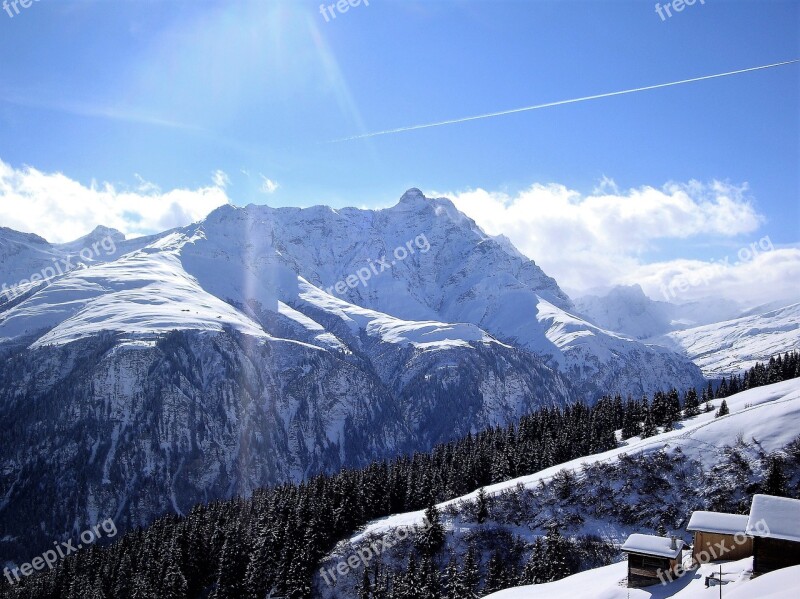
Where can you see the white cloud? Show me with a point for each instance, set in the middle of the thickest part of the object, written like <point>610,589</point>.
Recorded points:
<point>146,186</point>
<point>599,240</point>
<point>756,273</point>
<point>268,186</point>
<point>220,179</point>
<point>61,209</point>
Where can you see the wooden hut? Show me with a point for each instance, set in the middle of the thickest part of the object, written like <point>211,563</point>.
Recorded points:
<point>651,559</point>
<point>774,524</point>
<point>719,536</point>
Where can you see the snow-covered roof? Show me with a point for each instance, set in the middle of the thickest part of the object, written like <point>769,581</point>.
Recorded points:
<point>652,545</point>
<point>717,522</point>
<point>774,518</point>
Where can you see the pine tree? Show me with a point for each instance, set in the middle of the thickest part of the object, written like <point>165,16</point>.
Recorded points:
<point>556,556</point>
<point>429,578</point>
<point>174,586</point>
<point>658,409</point>
<point>649,427</point>
<point>430,539</point>
<point>481,506</point>
<point>733,384</point>
<point>380,590</point>
<point>723,409</point>
<point>631,425</point>
<point>364,589</point>
<point>496,576</point>
<point>409,586</point>
<point>534,570</point>
<point>672,414</point>
<point>452,580</point>
<point>775,483</point>
<point>691,404</point>
<point>709,407</point>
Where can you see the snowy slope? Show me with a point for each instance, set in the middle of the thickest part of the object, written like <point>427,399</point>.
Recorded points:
<point>148,292</point>
<point>421,334</point>
<point>141,295</point>
<point>455,273</point>
<point>735,345</point>
<point>25,256</point>
<point>606,583</point>
<point>770,414</point>
<point>201,363</point>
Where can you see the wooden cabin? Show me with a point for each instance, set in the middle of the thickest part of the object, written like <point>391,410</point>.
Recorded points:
<point>774,525</point>
<point>719,536</point>
<point>652,560</point>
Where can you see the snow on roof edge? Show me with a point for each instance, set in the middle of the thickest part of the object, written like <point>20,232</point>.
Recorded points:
<point>774,518</point>
<point>717,522</point>
<point>652,545</point>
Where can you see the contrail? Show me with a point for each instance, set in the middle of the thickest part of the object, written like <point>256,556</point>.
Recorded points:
<point>561,102</point>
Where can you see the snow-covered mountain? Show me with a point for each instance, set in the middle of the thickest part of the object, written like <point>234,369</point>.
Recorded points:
<point>244,350</point>
<point>627,310</point>
<point>718,336</point>
<point>279,269</point>
<point>735,345</point>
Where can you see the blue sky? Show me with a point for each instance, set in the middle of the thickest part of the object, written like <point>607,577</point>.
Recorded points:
<point>168,93</point>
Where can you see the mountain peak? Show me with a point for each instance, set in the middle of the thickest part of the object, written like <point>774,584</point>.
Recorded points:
<point>100,231</point>
<point>413,197</point>
<point>14,235</point>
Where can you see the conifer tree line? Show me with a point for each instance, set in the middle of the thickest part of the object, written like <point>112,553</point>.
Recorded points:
<point>271,544</point>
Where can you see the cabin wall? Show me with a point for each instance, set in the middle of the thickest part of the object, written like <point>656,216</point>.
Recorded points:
<point>710,543</point>
<point>643,570</point>
<point>773,554</point>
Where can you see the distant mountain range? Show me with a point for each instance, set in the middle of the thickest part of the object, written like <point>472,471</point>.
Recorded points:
<point>719,335</point>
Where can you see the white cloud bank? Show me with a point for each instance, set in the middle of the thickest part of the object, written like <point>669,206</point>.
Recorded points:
<point>750,275</point>
<point>584,241</point>
<point>599,240</point>
<point>61,209</point>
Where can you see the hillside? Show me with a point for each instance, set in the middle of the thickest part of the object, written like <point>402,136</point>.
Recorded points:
<point>645,484</point>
